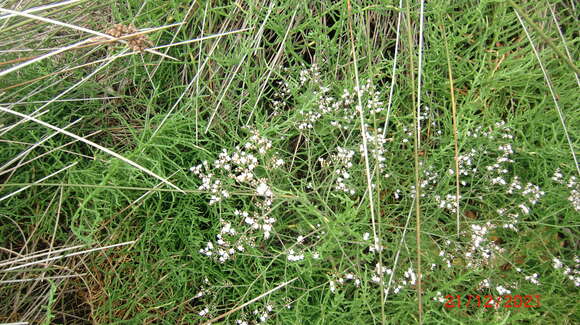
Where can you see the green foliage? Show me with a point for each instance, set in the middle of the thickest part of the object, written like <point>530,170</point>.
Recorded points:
<point>170,115</point>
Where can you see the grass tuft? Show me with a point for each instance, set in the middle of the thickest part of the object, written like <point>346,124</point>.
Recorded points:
<point>263,162</point>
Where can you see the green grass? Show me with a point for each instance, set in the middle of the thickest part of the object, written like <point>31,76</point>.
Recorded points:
<point>170,115</point>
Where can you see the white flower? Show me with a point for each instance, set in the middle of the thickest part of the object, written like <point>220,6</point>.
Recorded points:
<point>263,190</point>
<point>203,312</point>
<point>439,297</point>
<point>557,263</point>
<point>502,291</point>
<point>533,278</point>
<point>332,286</point>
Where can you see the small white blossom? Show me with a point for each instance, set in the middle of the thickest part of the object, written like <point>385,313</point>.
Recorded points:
<point>263,190</point>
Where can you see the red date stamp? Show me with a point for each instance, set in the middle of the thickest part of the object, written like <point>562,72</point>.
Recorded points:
<point>489,301</point>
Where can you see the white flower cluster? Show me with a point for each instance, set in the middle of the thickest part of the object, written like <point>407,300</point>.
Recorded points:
<point>481,250</point>
<point>209,183</point>
<point>498,169</point>
<point>429,180</point>
<point>343,163</point>
<point>238,166</point>
<point>530,192</point>
<point>295,256</point>
<point>227,244</point>
<point>280,98</point>
<point>439,297</point>
<point>257,222</point>
<point>558,177</point>
<point>310,74</point>
<point>376,147</point>
<point>397,194</point>
<point>410,276</point>
<point>572,184</point>
<point>339,109</point>
<point>300,251</point>
<point>376,247</point>
<point>236,170</point>
<point>445,256</point>
<point>203,312</point>
<point>502,290</point>
<point>408,135</point>
<point>204,289</point>
<point>258,315</point>
<point>342,280</point>
<point>449,203</point>
<point>424,113</point>
<point>264,314</point>
<point>379,273</point>
<point>496,172</point>
<point>485,283</point>
<point>468,168</point>
<point>574,199</point>
<point>513,218</point>
<point>466,164</point>
<point>478,252</point>
<point>374,103</point>
<point>533,278</point>
<point>533,193</point>
<point>572,274</point>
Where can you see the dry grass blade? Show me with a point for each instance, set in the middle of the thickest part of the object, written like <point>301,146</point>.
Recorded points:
<point>521,14</point>
<point>280,286</point>
<point>455,133</point>
<point>39,111</point>
<point>185,18</point>
<point>224,90</point>
<point>199,39</point>
<point>67,255</point>
<point>195,78</point>
<point>42,8</point>
<point>365,151</point>
<point>394,80</point>
<point>37,182</point>
<point>23,154</point>
<point>398,253</point>
<point>44,278</point>
<point>37,255</point>
<point>564,42</point>
<point>417,164</point>
<point>43,57</point>
<point>274,61</point>
<point>91,143</point>
<point>86,30</point>
<point>51,151</point>
<point>60,101</point>
<point>552,92</point>
<point>106,60</point>
<point>87,43</point>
